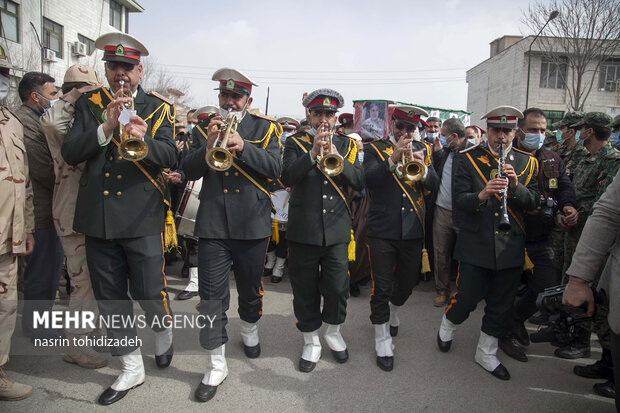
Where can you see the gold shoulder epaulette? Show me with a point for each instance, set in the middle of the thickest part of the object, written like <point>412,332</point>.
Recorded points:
<point>160,97</point>
<point>522,151</point>
<point>470,148</point>
<point>260,115</point>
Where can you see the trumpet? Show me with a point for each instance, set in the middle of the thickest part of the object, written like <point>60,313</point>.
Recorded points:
<point>331,163</point>
<point>219,157</point>
<point>130,148</point>
<point>504,222</point>
<point>413,170</point>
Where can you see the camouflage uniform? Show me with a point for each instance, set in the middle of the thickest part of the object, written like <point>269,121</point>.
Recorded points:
<point>591,178</point>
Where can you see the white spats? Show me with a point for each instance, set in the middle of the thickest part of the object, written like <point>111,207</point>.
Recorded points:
<point>383,340</point>
<point>446,329</point>
<point>278,269</point>
<point>192,286</point>
<point>486,352</point>
<point>132,371</point>
<point>271,260</point>
<point>312,347</point>
<point>217,369</point>
<point>249,333</point>
<point>334,339</point>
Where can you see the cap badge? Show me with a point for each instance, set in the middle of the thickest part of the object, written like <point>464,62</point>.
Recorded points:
<point>410,114</point>
<point>230,84</point>
<point>503,119</point>
<point>120,50</point>
<point>326,102</point>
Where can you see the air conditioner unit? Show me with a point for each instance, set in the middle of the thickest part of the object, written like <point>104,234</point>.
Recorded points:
<point>79,49</point>
<point>49,55</point>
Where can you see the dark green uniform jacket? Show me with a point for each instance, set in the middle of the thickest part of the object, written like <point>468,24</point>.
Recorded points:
<point>115,199</point>
<point>391,214</point>
<point>231,206</point>
<point>317,213</point>
<point>479,241</point>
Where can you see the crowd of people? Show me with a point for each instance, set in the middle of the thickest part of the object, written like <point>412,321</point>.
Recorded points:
<point>102,177</point>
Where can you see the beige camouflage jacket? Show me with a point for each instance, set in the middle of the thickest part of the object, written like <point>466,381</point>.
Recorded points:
<point>56,123</point>
<point>16,208</point>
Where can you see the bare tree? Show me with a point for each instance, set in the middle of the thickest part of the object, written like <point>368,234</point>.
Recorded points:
<point>582,37</point>
<point>158,79</point>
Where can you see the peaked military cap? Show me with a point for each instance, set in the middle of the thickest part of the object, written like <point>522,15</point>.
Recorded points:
<point>120,47</point>
<point>594,119</point>
<point>206,111</point>
<point>503,117</point>
<point>346,119</point>
<point>233,80</point>
<point>324,99</point>
<point>288,123</point>
<point>409,113</point>
<point>4,59</point>
<point>569,119</point>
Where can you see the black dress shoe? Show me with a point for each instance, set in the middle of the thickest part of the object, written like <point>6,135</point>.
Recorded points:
<point>267,272</point>
<point>511,348</point>
<point>164,360</point>
<point>574,350</point>
<point>341,356</point>
<point>607,389</point>
<point>521,334</point>
<point>186,295</point>
<point>204,392</point>
<point>443,345</point>
<point>110,395</point>
<point>306,366</point>
<point>393,331</point>
<point>501,373</point>
<point>252,352</point>
<point>385,363</point>
<point>275,279</point>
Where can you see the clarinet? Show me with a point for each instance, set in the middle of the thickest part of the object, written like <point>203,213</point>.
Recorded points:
<point>504,222</point>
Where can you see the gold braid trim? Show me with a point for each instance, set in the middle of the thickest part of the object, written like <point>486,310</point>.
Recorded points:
<point>352,153</point>
<point>166,113</point>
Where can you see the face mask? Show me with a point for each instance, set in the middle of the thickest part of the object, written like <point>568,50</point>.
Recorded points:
<point>615,139</point>
<point>558,136</point>
<point>443,140</point>
<point>312,131</point>
<point>190,127</point>
<point>360,157</point>
<point>533,141</point>
<point>472,141</point>
<point>52,103</point>
<point>578,138</point>
<point>4,86</point>
<point>284,136</point>
<point>431,136</point>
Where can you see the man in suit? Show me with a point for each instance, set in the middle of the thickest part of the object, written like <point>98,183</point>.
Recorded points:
<point>234,220</point>
<point>491,252</point>
<point>121,205</point>
<point>395,222</point>
<point>319,226</point>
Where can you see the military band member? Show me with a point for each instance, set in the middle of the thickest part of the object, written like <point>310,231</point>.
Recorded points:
<point>346,124</point>
<point>319,226</point>
<point>16,226</point>
<point>491,257</point>
<point>395,222</point>
<point>120,206</point>
<point>233,222</point>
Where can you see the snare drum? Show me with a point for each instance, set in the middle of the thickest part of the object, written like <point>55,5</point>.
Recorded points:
<point>188,208</point>
<point>280,202</point>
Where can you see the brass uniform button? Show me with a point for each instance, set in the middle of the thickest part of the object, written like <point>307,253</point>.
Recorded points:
<point>110,158</point>
<point>236,173</point>
<point>119,177</point>
<point>225,191</point>
<point>236,190</point>
<point>107,174</point>
<point>496,214</point>
<point>496,232</point>
<point>226,173</point>
<point>106,192</point>
<point>119,157</point>
<point>119,193</point>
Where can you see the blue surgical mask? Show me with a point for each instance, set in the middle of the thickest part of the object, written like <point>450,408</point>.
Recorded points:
<point>558,136</point>
<point>312,131</point>
<point>360,157</point>
<point>190,127</point>
<point>431,136</point>
<point>472,141</point>
<point>533,141</point>
<point>443,140</point>
<point>615,139</point>
<point>284,136</point>
<point>578,138</point>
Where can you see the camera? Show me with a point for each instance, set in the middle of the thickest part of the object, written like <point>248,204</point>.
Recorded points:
<point>547,209</point>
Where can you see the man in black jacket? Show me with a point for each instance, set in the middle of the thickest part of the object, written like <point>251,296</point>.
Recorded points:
<point>319,225</point>
<point>395,222</point>
<point>233,222</point>
<point>444,231</point>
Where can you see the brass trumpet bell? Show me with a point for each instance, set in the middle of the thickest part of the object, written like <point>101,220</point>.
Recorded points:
<point>414,171</point>
<point>219,157</point>
<point>131,148</point>
<point>331,163</point>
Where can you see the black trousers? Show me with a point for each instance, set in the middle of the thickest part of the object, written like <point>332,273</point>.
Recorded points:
<point>543,276</point>
<point>497,287</point>
<point>281,248</point>
<point>615,356</point>
<point>215,257</point>
<point>134,265</point>
<point>395,271</point>
<point>317,271</point>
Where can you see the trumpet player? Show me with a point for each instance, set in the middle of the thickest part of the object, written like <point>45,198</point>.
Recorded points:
<point>233,223</point>
<point>319,167</point>
<point>120,208</point>
<point>494,184</point>
<point>398,174</point>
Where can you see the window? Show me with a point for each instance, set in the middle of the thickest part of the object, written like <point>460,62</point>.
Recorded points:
<point>550,76</point>
<point>553,116</point>
<point>610,72</point>
<point>52,36</point>
<point>116,11</point>
<point>9,20</point>
<point>90,44</point>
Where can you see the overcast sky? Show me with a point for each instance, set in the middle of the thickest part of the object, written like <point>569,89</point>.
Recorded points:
<point>411,51</point>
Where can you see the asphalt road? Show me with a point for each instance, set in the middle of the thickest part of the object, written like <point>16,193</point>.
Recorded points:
<point>423,379</point>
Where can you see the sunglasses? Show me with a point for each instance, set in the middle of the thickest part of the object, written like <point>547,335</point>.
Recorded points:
<point>128,67</point>
<point>403,126</point>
